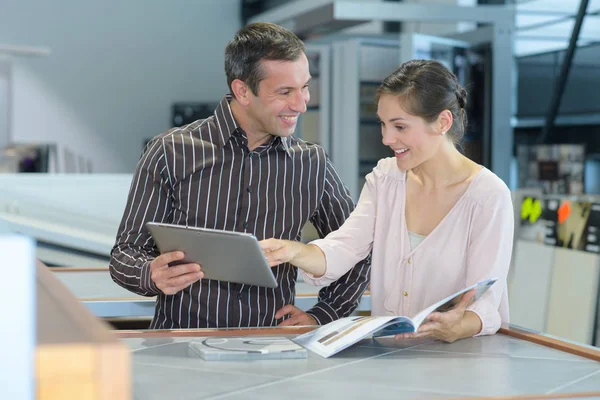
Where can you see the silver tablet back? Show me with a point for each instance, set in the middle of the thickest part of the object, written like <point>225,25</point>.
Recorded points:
<point>224,255</point>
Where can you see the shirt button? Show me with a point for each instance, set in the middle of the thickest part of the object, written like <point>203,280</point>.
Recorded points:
<point>405,294</point>
<point>239,296</point>
<point>249,190</point>
<point>246,224</point>
<point>409,260</point>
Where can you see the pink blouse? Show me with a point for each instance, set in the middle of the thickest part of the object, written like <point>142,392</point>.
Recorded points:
<point>473,242</point>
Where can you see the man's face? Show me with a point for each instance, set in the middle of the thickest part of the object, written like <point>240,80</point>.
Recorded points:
<point>282,97</point>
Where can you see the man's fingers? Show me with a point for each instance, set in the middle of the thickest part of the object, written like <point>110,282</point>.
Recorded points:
<point>287,309</point>
<point>288,322</point>
<point>163,260</point>
<point>295,310</point>
<point>173,279</point>
<point>185,279</point>
<point>182,287</point>
<point>297,316</point>
<point>180,282</point>
<point>162,277</point>
<point>294,320</point>
<point>182,269</point>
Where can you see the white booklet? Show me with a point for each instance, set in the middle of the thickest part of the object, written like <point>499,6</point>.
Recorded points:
<point>337,335</point>
<point>245,348</point>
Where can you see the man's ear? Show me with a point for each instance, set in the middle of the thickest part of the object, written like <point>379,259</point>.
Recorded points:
<point>241,91</point>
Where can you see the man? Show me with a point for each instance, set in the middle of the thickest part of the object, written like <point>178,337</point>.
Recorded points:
<point>239,170</point>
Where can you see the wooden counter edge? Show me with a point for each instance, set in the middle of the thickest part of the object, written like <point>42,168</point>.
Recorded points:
<point>557,344</point>
<point>288,330</point>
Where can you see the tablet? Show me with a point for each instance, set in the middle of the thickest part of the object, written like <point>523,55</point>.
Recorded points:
<point>223,255</point>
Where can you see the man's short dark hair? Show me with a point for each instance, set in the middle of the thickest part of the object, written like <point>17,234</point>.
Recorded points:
<point>256,42</point>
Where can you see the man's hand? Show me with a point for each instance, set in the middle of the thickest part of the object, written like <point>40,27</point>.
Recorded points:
<point>171,280</point>
<point>297,316</point>
<point>449,326</point>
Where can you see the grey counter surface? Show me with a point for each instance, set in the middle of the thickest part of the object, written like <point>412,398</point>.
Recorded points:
<point>489,366</point>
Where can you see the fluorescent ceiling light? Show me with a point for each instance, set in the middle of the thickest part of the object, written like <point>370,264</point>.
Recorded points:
<point>525,47</point>
<point>556,6</point>
<point>590,30</point>
<point>525,20</point>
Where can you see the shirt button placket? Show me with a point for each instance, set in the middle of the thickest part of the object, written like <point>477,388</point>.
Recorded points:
<point>248,160</point>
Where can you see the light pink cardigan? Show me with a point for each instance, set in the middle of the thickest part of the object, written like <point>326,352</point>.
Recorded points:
<point>473,242</point>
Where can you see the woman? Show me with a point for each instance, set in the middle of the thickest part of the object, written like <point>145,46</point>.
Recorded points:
<point>435,221</point>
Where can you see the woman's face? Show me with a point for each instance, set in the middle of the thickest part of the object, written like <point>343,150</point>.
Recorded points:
<point>412,139</point>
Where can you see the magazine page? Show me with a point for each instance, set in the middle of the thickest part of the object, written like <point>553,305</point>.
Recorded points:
<point>337,335</point>
<point>405,325</point>
<point>452,300</point>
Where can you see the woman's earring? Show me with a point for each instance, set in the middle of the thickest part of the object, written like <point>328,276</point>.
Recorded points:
<point>443,133</point>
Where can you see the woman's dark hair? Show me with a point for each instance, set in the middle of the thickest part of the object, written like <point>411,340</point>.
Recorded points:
<point>256,42</point>
<point>427,88</point>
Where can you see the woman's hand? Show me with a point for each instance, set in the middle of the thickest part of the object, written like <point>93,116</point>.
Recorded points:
<point>307,257</point>
<point>279,251</point>
<point>449,326</point>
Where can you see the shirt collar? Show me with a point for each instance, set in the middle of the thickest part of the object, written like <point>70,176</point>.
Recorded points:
<point>285,144</point>
<point>226,123</point>
<point>227,126</point>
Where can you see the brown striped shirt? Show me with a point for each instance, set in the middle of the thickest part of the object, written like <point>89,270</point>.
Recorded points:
<point>204,175</point>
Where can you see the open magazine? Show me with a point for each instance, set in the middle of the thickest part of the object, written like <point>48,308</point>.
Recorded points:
<point>337,335</point>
